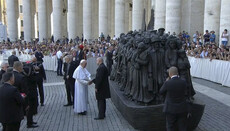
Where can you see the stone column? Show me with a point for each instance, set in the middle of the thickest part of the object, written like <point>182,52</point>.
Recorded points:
<point>173,16</point>
<point>12,20</point>
<point>126,16</point>
<point>57,19</point>
<point>27,19</point>
<point>42,19</point>
<point>138,9</point>
<point>224,18</point>
<point>72,19</point>
<point>87,18</point>
<point>119,17</point>
<point>212,16</point>
<point>103,17</point>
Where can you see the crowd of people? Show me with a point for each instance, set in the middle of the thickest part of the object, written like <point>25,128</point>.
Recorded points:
<point>205,46</point>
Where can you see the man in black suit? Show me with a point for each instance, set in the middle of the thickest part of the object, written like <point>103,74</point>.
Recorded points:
<point>109,59</point>
<point>79,54</point>
<point>39,55</point>
<point>69,68</point>
<point>19,78</point>
<point>4,67</point>
<point>101,88</point>
<point>176,106</point>
<point>12,59</point>
<point>11,102</point>
<point>40,75</point>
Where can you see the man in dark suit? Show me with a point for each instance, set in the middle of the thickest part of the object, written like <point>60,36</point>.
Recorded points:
<point>12,59</point>
<point>19,78</point>
<point>109,59</point>
<point>40,76</point>
<point>176,106</point>
<point>101,88</point>
<point>39,55</point>
<point>69,68</point>
<point>79,54</point>
<point>4,67</point>
<point>11,102</point>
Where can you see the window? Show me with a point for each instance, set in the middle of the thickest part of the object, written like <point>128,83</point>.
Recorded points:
<point>21,23</point>
<point>21,11</point>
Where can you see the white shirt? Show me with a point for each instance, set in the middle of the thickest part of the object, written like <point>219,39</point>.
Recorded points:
<point>224,39</point>
<point>59,54</point>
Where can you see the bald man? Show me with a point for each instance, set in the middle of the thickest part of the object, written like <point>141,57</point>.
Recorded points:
<point>101,88</point>
<point>175,107</point>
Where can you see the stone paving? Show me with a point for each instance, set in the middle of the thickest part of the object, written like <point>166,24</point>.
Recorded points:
<point>54,117</point>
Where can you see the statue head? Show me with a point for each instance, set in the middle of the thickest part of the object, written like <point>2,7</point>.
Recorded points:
<point>161,31</point>
<point>181,53</point>
<point>141,46</point>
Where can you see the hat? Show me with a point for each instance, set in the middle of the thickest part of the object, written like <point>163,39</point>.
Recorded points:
<point>81,47</point>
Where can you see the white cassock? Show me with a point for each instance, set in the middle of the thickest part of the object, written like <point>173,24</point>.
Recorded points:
<point>82,77</point>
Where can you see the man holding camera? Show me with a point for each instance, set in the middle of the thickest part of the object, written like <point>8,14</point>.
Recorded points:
<point>40,76</point>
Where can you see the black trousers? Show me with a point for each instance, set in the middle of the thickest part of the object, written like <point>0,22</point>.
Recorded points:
<point>59,68</point>
<point>101,104</point>
<point>32,110</point>
<point>11,126</point>
<point>41,90</point>
<point>176,121</point>
<point>69,86</point>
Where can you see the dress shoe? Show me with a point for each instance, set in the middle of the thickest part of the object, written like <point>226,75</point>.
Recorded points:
<point>98,118</point>
<point>68,105</point>
<point>42,104</point>
<point>34,123</point>
<point>32,126</point>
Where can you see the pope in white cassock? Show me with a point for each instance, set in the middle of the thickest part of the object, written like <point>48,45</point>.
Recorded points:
<point>82,78</point>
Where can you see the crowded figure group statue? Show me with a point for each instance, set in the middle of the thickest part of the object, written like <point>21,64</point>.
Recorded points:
<point>142,61</point>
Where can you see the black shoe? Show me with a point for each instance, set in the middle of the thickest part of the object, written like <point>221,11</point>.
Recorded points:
<point>34,123</point>
<point>32,126</point>
<point>82,113</point>
<point>98,118</point>
<point>68,105</point>
<point>42,104</point>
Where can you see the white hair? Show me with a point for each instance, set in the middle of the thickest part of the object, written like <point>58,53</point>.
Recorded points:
<point>83,61</point>
<point>4,64</point>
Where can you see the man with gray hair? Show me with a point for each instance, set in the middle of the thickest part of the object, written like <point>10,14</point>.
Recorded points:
<point>4,67</point>
<point>176,106</point>
<point>82,78</point>
<point>12,59</point>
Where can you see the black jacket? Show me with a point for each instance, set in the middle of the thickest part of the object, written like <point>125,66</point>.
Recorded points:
<point>12,59</point>
<point>19,82</point>
<point>39,56</point>
<point>1,73</point>
<point>175,91</point>
<point>41,74</point>
<point>102,83</point>
<point>11,103</point>
<point>79,56</point>
<point>109,59</point>
<point>72,67</point>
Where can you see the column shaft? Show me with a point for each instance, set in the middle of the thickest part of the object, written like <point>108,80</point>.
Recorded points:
<point>119,17</point>
<point>173,16</point>
<point>87,18</point>
<point>138,11</point>
<point>212,16</point>
<point>57,19</point>
<point>103,17</point>
<point>12,20</point>
<point>42,19</point>
<point>27,17</point>
<point>72,19</point>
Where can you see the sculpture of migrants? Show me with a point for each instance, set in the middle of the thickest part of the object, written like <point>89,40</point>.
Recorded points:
<point>142,60</point>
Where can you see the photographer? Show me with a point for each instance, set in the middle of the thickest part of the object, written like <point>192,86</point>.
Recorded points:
<point>40,76</point>
<point>32,94</point>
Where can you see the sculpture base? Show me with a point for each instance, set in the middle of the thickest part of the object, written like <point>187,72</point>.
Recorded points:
<point>149,118</point>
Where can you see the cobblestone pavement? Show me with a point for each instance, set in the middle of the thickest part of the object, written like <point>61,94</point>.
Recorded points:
<point>54,117</point>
